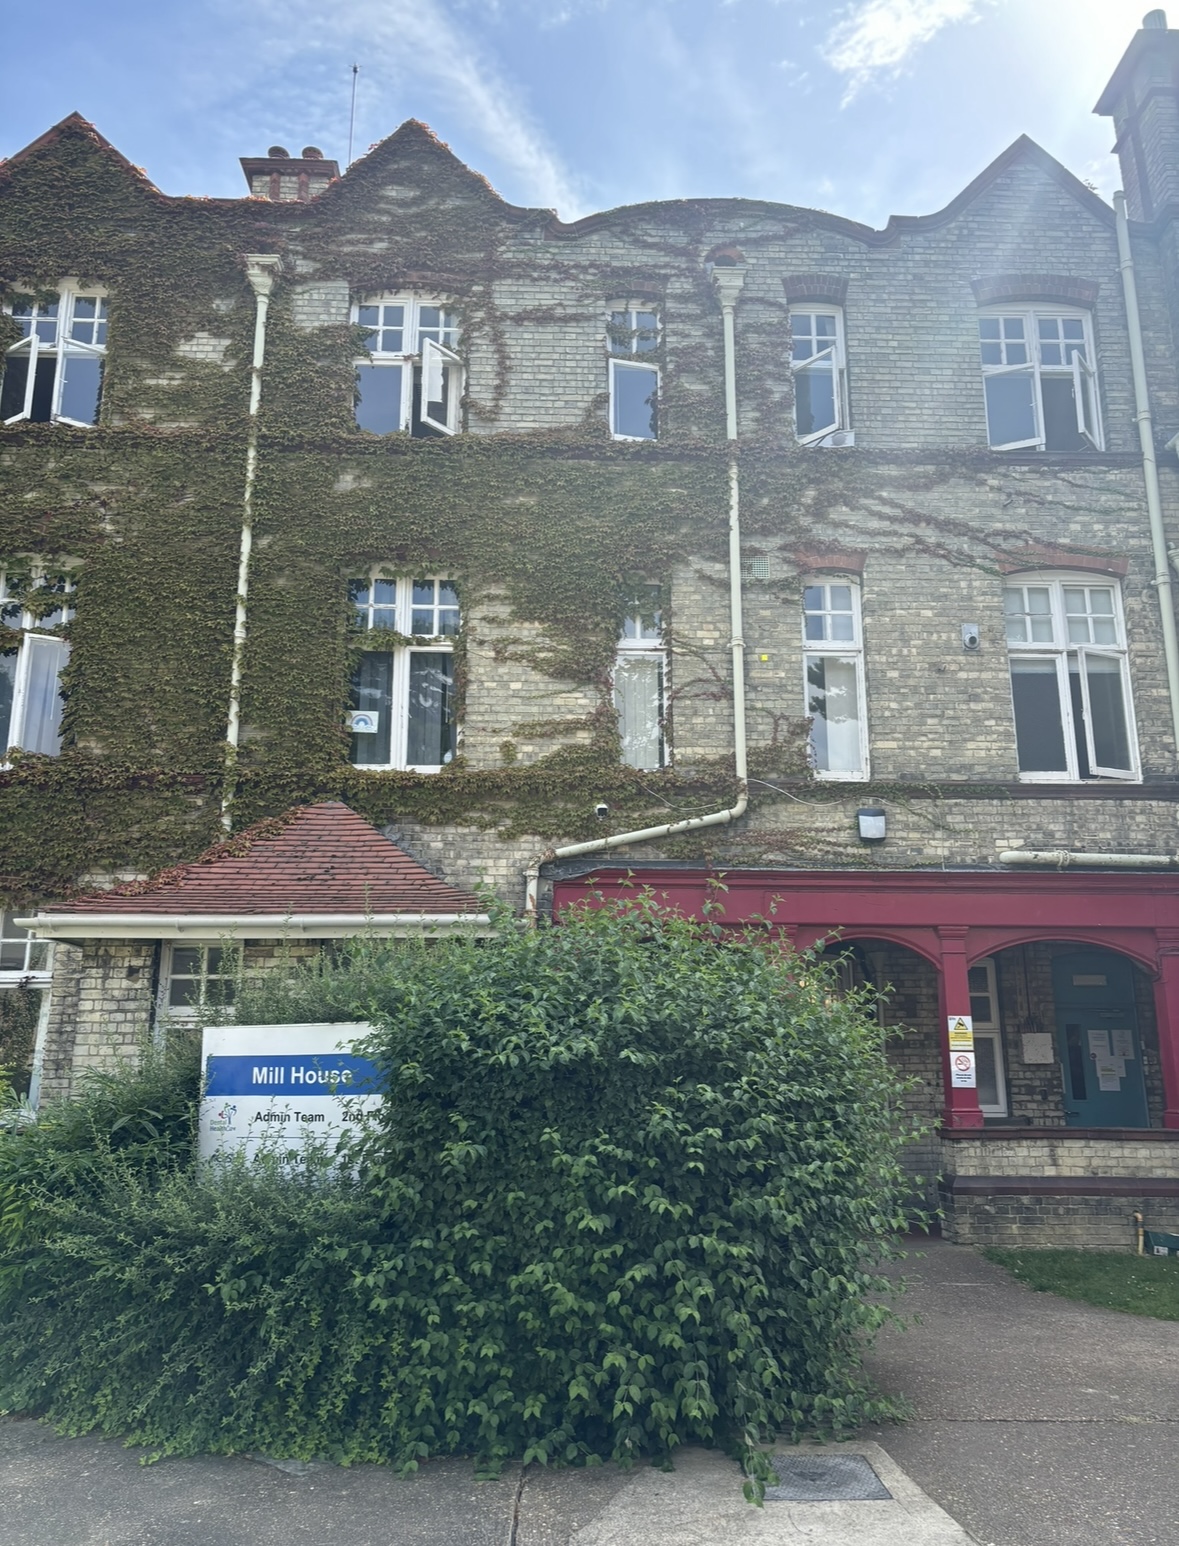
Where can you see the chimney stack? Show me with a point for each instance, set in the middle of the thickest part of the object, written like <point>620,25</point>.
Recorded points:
<point>288,179</point>
<point>1142,98</point>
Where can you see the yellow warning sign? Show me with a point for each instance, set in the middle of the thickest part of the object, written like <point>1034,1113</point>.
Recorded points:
<point>961,1033</point>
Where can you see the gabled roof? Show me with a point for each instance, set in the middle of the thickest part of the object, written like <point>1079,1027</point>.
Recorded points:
<point>320,869</point>
<point>75,126</point>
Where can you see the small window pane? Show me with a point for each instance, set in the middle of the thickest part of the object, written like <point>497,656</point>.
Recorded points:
<point>12,392</point>
<point>431,739</point>
<point>186,961</point>
<point>1111,740</point>
<point>646,331</point>
<point>184,992</point>
<point>423,593</point>
<point>1011,409</point>
<point>378,402</point>
<point>447,595</point>
<point>986,1071</point>
<point>1039,725</point>
<point>81,384</point>
<point>372,691</point>
<point>833,702</point>
<point>814,398</point>
<point>635,402</point>
<point>384,593</point>
<point>638,695</point>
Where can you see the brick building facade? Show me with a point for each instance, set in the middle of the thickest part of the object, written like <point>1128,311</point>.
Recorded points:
<point>826,559</point>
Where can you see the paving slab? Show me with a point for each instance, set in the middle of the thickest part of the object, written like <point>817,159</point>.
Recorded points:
<point>1038,1421</point>
<point>91,1492</point>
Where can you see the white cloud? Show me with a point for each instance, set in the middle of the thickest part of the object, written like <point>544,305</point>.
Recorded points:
<point>405,47</point>
<point>879,36</point>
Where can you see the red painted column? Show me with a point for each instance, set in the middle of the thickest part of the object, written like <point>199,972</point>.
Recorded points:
<point>960,1108</point>
<point>1166,1004</point>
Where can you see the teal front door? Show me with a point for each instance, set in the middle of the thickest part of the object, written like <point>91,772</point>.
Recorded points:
<point>1097,1035</point>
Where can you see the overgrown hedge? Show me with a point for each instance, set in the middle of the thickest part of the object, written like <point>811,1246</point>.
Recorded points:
<point>627,1190</point>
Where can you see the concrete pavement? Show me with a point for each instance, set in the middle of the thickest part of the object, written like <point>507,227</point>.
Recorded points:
<point>1038,1421</point>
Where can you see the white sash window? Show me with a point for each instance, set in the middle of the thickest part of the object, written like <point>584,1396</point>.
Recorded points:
<point>833,678</point>
<point>33,607</point>
<point>632,345</point>
<point>402,712</point>
<point>820,378</point>
<point>412,377</point>
<point>640,670</point>
<point>53,373</point>
<point>1039,380</point>
<point>1070,679</point>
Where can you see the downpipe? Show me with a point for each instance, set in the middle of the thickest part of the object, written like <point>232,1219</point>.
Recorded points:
<point>1150,471</point>
<point>1063,859</point>
<point>261,271</point>
<point>728,282</point>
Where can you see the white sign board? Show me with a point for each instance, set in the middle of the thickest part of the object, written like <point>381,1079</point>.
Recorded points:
<point>962,1071</point>
<point>277,1085</point>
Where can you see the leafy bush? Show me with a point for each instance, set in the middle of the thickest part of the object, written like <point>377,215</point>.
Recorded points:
<point>626,1190</point>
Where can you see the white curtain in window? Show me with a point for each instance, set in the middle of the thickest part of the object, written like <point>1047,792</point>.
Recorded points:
<point>41,731</point>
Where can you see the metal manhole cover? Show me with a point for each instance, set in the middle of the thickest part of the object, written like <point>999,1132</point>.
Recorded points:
<point>825,1479</point>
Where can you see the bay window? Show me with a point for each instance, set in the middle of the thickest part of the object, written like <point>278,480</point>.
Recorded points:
<point>53,373</point>
<point>632,341</point>
<point>1039,380</point>
<point>34,605</point>
<point>833,678</point>
<point>402,701</point>
<point>639,672</point>
<point>411,378</point>
<point>1070,681</point>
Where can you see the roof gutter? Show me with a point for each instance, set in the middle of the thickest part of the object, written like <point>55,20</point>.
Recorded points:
<point>728,282</point>
<point>1150,471</point>
<point>74,926</point>
<point>1063,859</point>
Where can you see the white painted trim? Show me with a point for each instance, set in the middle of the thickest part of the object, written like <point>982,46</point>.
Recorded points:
<point>217,926</point>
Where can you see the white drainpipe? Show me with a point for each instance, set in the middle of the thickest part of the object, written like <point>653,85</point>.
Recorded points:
<point>261,269</point>
<point>728,283</point>
<point>1063,859</point>
<point>1150,471</point>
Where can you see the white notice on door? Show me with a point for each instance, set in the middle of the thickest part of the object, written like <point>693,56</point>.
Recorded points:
<point>1099,1043</point>
<point>1123,1043</point>
<point>1107,1074</point>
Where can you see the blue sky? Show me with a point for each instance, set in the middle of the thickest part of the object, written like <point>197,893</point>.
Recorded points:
<point>869,108</point>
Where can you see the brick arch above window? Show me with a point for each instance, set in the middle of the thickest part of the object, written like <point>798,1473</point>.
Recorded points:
<point>1044,557</point>
<point>1059,289</point>
<point>829,288</point>
<point>830,560</point>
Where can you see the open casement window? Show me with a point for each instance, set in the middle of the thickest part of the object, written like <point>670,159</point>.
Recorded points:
<point>1070,680</point>
<point>820,385</point>
<point>53,373</point>
<point>632,339</point>
<point>833,679</point>
<point>640,669</point>
<point>198,978</point>
<point>32,657</point>
<point>988,1039</point>
<point>21,956</point>
<point>1039,381</point>
<point>412,378</point>
<point>402,698</point>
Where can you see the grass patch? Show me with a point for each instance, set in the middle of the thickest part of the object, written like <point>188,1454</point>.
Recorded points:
<point>1116,1280</point>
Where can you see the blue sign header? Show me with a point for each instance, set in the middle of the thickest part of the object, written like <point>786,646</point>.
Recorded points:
<point>301,1075</point>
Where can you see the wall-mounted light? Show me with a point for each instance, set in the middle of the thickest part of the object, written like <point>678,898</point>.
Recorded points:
<point>873,824</point>
<point>971,637</point>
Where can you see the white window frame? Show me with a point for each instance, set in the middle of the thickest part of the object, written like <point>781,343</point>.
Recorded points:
<point>991,1030</point>
<point>1059,650</point>
<point>186,1014</point>
<point>36,968</point>
<point>35,636</point>
<point>643,642</point>
<point>61,346</point>
<point>633,356</point>
<point>430,644</point>
<point>432,360</point>
<point>1080,367</point>
<point>843,650</point>
<point>836,356</point>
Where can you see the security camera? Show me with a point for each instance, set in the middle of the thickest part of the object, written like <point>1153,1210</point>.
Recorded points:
<point>971,637</point>
<point>601,810</point>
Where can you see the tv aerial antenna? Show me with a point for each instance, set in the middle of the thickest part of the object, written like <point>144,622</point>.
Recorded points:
<point>352,115</point>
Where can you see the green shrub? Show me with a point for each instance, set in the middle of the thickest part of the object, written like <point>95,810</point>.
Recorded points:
<point>626,1190</point>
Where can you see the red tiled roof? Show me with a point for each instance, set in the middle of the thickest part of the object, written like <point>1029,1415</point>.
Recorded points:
<point>315,859</point>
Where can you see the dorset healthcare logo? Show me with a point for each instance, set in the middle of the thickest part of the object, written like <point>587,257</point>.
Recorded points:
<point>221,1120</point>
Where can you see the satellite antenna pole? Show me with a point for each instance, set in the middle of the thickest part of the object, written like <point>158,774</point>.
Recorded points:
<point>352,114</point>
